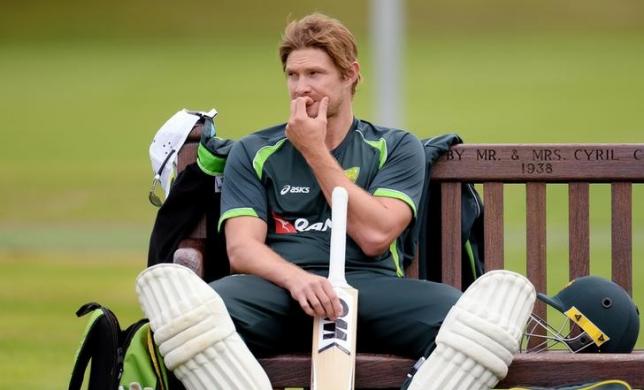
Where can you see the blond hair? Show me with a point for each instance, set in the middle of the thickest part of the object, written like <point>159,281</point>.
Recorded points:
<point>322,32</point>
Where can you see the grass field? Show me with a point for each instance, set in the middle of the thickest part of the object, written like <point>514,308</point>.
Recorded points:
<point>78,115</point>
<point>40,293</point>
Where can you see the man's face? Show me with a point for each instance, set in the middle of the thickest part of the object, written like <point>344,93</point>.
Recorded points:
<point>311,73</point>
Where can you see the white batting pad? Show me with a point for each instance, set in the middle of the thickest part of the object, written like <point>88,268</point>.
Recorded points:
<point>480,334</point>
<point>194,331</point>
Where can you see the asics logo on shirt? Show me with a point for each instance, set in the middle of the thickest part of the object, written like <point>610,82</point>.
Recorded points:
<point>294,190</point>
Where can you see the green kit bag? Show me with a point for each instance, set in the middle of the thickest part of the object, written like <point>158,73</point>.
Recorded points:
<point>118,357</point>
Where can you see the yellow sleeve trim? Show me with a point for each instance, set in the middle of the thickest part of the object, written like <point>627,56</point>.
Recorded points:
<point>232,213</point>
<point>389,193</point>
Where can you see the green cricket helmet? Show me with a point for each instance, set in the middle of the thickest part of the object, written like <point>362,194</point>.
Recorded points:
<point>604,315</point>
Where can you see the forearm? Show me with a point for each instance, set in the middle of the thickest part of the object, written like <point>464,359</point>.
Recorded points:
<point>249,254</point>
<point>256,258</point>
<point>368,223</point>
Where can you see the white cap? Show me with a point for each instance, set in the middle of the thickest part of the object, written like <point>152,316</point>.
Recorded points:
<point>167,142</point>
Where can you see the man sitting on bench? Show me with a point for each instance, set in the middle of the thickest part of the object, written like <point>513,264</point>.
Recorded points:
<point>276,215</point>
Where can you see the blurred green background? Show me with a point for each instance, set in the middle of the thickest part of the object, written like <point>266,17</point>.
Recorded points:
<point>84,85</point>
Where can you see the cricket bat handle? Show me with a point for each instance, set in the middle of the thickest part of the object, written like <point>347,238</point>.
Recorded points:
<point>339,204</point>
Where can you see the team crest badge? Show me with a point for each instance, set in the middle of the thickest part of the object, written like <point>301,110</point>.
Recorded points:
<point>352,173</point>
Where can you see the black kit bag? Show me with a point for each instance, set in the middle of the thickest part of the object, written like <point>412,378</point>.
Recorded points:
<point>429,228</point>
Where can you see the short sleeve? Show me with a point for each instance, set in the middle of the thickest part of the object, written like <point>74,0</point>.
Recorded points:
<point>403,173</point>
<point>242,193</point>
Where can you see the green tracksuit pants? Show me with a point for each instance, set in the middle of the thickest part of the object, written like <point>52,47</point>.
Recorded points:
<point>395,315</point>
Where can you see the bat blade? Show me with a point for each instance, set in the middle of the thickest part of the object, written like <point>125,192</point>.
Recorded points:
<point>334,342</point>
<point>334,346</point>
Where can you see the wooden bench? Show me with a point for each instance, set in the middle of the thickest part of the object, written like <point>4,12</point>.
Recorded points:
<point>535,166</point>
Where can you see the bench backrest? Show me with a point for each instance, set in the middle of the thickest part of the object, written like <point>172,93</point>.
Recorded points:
<point>536,166</point>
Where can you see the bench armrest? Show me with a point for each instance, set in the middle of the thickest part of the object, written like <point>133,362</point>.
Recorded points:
<point>190,254</point>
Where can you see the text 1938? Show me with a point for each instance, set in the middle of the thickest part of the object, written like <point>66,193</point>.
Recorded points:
<point>536,168</point>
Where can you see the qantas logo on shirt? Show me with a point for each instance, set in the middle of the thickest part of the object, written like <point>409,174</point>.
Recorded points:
<point>288,189</point>
<point>282,226</point>
<point>303,225</point>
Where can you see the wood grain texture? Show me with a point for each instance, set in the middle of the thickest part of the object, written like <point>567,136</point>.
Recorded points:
<point>375,371</point>
<point>493,222</point>
<point>188,153</point>
<point>536,243</point>
<point>451,233</point>
<point>619,164</point>
<point>557,368</point>
<point>622,235</point>
<point>513,163</point>
<point>186,156</point>
<point>578,230</point>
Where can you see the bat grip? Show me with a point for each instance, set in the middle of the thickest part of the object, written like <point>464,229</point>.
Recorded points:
<point>339,203</point>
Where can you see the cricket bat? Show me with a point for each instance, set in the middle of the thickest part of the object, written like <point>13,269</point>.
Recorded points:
<point>334,342</point>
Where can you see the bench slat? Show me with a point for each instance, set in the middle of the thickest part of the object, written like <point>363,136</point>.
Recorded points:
<point>557,368</point>
<point>621,235</point>
<point>186,156</point>
<point>493,222</point>
<point>536,242</point>
<point>451,233</point>
<point>542,162</point>
<point>536,369</point>
<point>373,371</point>
<point>578,230</point>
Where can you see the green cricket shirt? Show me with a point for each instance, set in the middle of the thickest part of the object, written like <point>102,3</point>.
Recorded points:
<point>266,177</point>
